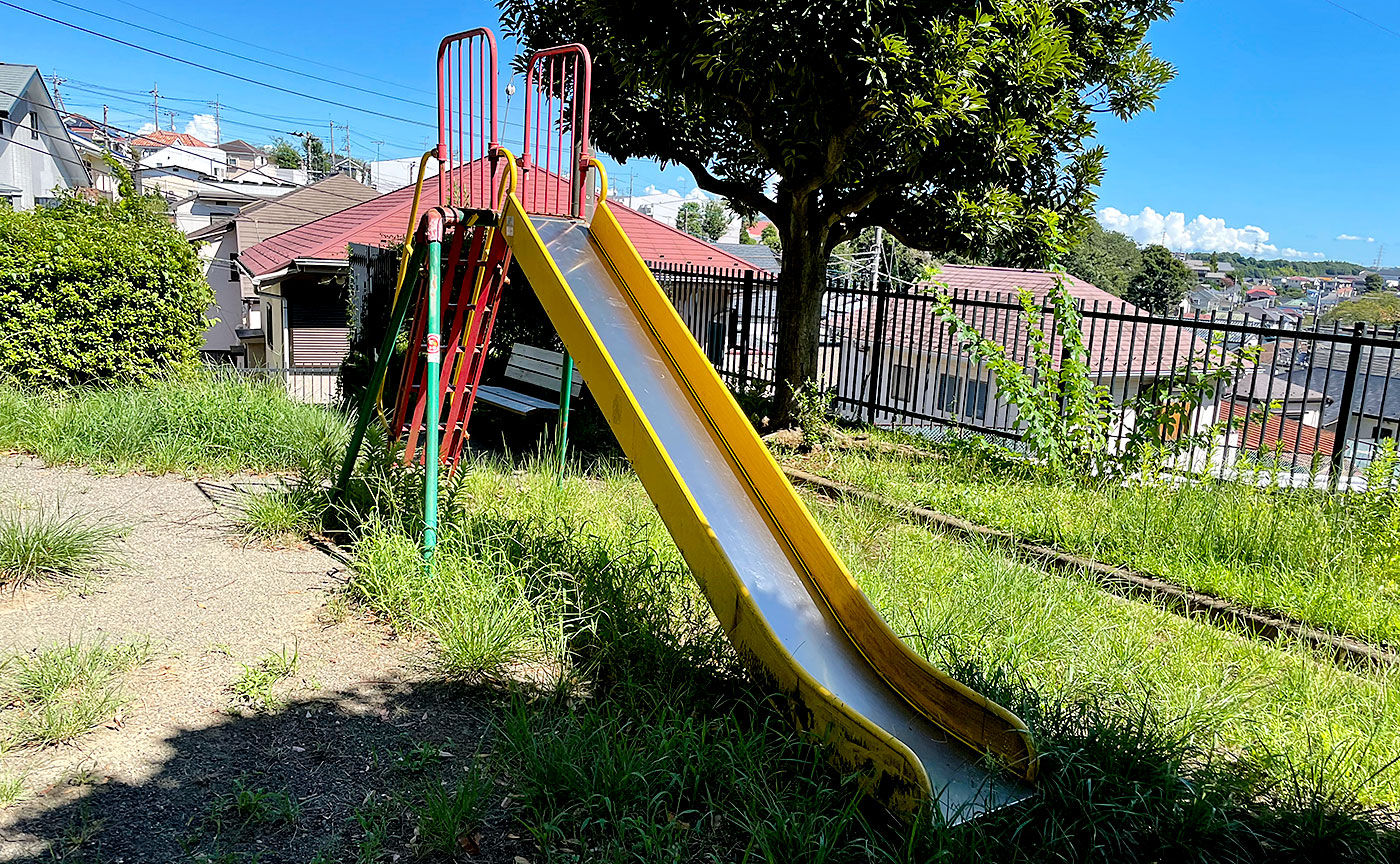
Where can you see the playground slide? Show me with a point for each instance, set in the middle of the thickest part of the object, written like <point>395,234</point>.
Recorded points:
<point>778,588</point>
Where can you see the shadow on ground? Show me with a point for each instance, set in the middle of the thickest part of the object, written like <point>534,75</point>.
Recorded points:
<point>337,778</point>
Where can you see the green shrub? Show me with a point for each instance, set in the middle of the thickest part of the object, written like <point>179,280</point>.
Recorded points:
<point>97,292</point>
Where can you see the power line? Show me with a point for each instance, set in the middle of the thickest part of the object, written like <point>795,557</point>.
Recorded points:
<point>212,69</point>
<point>238,56</point>
<point>272,50</point>
<point>1359,16</point>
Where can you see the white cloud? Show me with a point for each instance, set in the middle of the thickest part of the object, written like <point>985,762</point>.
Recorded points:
<point>1348,237</point>
<point>146,128</point>
<point>1203,233</point>
<point>204,127</point>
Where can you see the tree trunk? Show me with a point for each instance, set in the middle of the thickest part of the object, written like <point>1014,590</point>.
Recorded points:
<point>801,285</point>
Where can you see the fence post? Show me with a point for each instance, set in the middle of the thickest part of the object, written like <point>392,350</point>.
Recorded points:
<point>1339,443</point>
<point>746,325</point>
<point>877,348</point>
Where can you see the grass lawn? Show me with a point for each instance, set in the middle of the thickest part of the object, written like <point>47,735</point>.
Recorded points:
<point>1332,561</point>
<point>646,721</point>
<point>203,424</point>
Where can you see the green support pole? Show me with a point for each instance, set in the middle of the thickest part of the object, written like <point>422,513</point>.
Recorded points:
<point>432,437</point>
<point>566,392</point>
<point>381,368</point>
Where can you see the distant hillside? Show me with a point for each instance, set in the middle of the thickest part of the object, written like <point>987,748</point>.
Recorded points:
<point>1261,268</point>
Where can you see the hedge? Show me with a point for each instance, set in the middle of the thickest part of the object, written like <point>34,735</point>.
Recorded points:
<point>97,292</point>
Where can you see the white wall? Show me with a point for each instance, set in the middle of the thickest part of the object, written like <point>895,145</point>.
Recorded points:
<point>35,164</point>
<point>228,293</point>
<point>207,161</point>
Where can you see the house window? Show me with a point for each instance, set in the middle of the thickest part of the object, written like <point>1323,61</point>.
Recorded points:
<point>965,398</point>
<point>233,266</point>
<point>901,388</point>
<point>4,122</point>
<point>34,125</point>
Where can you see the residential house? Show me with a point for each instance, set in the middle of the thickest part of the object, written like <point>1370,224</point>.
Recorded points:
<point>237,335</point>
<point>1375,395</point>
<point>898,354</point>
<point>176,170</point>
<point>148,143</point>
<point>243,156</point>
<point>212,201</point>
<point>302,276</point>
<point>759,255</point>
<point>38,156</point>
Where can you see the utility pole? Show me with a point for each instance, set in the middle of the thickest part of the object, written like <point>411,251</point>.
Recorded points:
<point>875,262</point>
<point>171,114</point>
<point>1380,251</point>
<point>332,148</point>
<point>56,82</point>
<point>377,145</point>
<point>218,127</point>
<point>155,103</point>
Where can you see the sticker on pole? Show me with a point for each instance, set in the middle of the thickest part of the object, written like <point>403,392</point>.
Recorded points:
<point>434,348</point>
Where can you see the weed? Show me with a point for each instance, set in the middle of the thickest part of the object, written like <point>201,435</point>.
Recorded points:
<point>206,423</point>
<point>11,789</point>
<point>449,813</point>
<point>49,544</point>
<point>812,411</point>
<point>253,688</point>
<point>253,807</point>
<point>56,694</point>
<point>280,515</point>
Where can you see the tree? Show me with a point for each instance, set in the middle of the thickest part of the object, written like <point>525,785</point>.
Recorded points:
<point>284,155</point>
<point>745,238</point>
<point>960,128</point>
<point>1214,263</point>
<point>1380,309</point>
<point>1374,282</point>
<point>769,237</point>
<point>1104,259</point>
<point>318,158</point>
<point>1161,284</point>
<point>94,292</point>
<point>707,221</point>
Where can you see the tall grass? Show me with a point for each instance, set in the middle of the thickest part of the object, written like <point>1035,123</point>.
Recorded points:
<point>55,694</point>
<point>206,423</point>
<point>1163,739</point>
<point>45,543</point>
<point>1322,558</point>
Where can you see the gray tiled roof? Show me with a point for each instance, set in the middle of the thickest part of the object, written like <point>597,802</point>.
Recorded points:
<point>13,79</point>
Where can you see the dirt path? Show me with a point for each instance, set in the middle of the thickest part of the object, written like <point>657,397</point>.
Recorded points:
<point>143,787</point>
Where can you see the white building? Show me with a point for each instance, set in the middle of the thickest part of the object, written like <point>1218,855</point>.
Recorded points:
<point>37,155</point>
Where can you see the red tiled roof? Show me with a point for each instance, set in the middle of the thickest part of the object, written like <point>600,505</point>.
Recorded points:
<point>164,138</point>
<point>1270,432</point>
<point>383,221</point>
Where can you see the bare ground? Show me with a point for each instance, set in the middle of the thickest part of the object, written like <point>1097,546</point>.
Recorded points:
<point>361,730</point>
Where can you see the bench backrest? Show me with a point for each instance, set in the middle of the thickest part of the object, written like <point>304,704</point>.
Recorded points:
<point>539,367</point>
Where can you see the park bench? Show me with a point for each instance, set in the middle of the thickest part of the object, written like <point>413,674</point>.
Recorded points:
<point>537,368</point>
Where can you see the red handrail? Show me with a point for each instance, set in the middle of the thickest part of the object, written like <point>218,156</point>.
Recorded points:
<point>467,119</point>
<point>555,160</point>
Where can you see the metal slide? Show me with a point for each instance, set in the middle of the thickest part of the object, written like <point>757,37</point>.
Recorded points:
<point>778,588</point>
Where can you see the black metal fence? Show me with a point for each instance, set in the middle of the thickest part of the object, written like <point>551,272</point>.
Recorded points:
<point>1303,402</point>
<point>316,385</point>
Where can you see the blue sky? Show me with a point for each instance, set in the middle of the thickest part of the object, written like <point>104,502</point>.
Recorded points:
<point>1279,131</point>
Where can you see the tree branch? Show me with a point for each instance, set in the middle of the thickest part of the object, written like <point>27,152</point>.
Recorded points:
<point>734,190</point>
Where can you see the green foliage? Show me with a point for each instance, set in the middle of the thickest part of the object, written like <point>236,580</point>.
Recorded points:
<point>201,423</point>
<point>813,412</point>
<point>284,155</point>
<point>1161,284</point>
<point>48,544</point>
<point>707,221</point>
<point>1380,309</point>
<point>56,694</point>
<point>1062,415</point>
<point>252,689</point>
<point>961,128</point>
<point>769,237</point>
<point>1105,259</point>
<point>97,292</point>
<point>745,238</point>
<point>1260,268</point>
<point>1374,282</point>
<point>1066,419</point>
<point>448,814</point>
